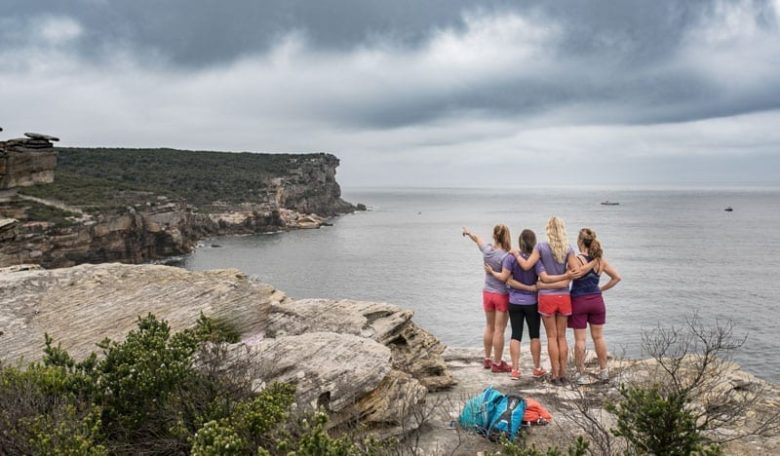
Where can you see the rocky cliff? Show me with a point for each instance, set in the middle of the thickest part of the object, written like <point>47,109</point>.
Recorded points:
<point>136,205</point>
<point>27,161</point>
<point>365,362</point>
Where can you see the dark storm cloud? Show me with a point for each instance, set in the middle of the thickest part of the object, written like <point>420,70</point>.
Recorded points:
<point>609,43</point>
<point>402,79</point>
<point>205,32</point>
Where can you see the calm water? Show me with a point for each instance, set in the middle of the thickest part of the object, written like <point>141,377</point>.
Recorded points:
<point>677,250</point>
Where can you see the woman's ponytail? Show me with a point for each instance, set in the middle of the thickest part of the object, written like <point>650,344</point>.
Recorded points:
<point>501,237</point>
<point>589,240</point>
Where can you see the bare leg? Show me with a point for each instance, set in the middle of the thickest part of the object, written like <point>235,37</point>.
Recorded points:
<point>498,335</point>
<point>597,332</point>
<point>536,352</point>
<point>552,345</point>
<point>487,337</point>
<point>579,349</point>
<point>514,352</point>
<point>563,346</point>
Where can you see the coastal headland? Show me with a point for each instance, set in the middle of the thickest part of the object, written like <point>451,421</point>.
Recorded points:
<point>66,206</point>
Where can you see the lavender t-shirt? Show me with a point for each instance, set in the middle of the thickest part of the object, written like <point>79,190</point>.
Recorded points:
<point>552,266</point>
<point>493,257</point>
<point>522,297</point>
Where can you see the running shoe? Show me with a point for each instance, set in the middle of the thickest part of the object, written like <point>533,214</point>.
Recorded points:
<point>487,363</point>
<point>539,372</point>
<point>556,381</point>
<point>604,375</point>
<point>515,374</point>
<point>581,379</point>
<point>501,367</point>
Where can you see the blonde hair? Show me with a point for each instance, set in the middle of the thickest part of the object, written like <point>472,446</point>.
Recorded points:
<point>501,237</point>
<point>556,237</point>
<point>589,240</point>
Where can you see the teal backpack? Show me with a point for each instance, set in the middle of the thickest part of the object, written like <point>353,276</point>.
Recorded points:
<point>493,414</point>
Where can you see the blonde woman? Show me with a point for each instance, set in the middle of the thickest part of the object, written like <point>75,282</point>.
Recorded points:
<point>554,300</point>
<point>588,304</point>
<point>495,297</point>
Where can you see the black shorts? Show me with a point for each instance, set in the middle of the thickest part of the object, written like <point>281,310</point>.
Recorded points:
<point>529,313</point>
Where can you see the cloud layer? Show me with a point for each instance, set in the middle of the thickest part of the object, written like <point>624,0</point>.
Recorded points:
<point>439,93</point>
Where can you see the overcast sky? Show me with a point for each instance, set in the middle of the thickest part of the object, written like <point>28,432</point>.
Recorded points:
<point>410,92</point>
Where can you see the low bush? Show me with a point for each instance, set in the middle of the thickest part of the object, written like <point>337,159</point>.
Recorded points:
<point>156,392</point>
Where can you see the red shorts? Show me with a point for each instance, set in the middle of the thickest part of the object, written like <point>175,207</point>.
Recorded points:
<point>495,301</point>
<point>550,305</point>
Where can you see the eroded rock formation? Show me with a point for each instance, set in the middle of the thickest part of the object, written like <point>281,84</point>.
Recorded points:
<point>27,161</point>
<point>363,362</point>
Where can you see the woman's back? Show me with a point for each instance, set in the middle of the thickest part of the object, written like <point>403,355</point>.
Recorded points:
<point>552,266</point>
<point>587,284</point>
<point>494,257</point>
<point>517,296</point>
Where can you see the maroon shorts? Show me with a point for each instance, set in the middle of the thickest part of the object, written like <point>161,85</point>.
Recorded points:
<point>587,309</point>
<point>495,301</point>
<point>550,305</point>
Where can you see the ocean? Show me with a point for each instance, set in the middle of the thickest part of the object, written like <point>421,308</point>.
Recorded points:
<point>678,251</point>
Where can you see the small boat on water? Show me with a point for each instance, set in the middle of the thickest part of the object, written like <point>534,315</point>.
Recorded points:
<point>729,209</point>
<point>610,203</point>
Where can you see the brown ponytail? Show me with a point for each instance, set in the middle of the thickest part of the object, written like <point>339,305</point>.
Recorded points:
<point>527,241</point>
<point>501,237</point>
<point>589,240</point>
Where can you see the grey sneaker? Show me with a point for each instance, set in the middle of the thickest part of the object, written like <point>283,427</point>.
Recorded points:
<point>604,375</point>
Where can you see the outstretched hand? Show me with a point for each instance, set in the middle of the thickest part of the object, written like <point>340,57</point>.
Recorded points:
<point>466,232</point>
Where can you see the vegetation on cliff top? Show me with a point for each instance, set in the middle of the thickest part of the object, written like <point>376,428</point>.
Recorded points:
<point>96,177</point>
<point>156,393</point>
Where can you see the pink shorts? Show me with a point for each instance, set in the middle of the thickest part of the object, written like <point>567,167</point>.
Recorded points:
<point>495,301</point>
<point>550,305</point>
<point>587,309</point>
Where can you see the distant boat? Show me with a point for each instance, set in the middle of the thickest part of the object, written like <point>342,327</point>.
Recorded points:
<point>610,203</point>
<point>729,209</point>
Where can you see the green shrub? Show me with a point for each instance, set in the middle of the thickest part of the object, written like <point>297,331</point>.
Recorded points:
<point>578,448</point>
<point>657,421</point>
<point>66,434</point>
<point>157,393</point>
<point>39,415</point>
<point>216,330</point>
<point>218,438</point>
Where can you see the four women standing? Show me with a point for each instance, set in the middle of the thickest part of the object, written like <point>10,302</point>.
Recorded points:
<point>538,278</point>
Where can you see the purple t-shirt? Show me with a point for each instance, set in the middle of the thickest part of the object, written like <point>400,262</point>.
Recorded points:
<point>493,257</point>
<point>552,266</point>
<point>522,297</point>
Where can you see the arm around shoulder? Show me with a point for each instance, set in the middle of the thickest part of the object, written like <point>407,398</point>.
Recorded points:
<point>528,264</point>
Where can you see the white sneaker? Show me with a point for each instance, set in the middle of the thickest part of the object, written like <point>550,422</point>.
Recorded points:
<point>581,379</point>
<point>604,375</point>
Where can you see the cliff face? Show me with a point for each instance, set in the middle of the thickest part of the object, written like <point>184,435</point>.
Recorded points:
<point>93,212</point>
<point>311,187</point>
<point>27,161</point>
<point>133,236</point>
